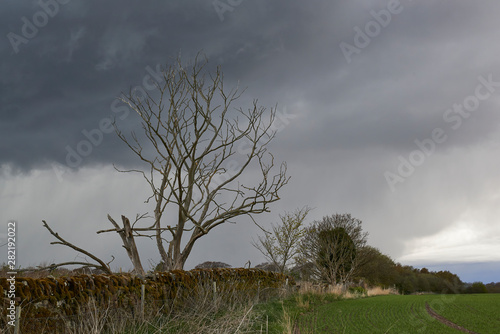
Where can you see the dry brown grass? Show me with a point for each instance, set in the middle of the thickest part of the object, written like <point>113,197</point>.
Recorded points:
<point>319,289</point>
<point>302,302</point>
<point>379,291</point>
<point>200,320</point>
<point>338,290</point>
<point>287,321</point>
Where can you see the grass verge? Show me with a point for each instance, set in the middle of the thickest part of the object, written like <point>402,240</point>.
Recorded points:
<point>300,310</point>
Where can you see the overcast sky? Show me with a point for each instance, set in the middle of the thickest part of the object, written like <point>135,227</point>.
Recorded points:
<point>387,110</point>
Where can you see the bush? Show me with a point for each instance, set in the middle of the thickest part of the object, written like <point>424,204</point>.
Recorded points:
<point>476,287</point>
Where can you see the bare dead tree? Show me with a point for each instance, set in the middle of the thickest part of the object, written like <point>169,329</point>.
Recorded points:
<point>281,245</point>
<point>99,265</point>
<point>196,152</point>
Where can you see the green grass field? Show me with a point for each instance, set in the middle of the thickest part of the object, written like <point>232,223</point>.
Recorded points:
<point>404,314</point>
<point>384,314</point>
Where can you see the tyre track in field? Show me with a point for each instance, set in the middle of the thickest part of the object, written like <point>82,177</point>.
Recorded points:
<point>445,321</point>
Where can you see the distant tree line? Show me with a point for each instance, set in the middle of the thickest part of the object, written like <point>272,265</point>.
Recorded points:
<point>493,287</point>
<point>334,250</point>
<point>380,270</point>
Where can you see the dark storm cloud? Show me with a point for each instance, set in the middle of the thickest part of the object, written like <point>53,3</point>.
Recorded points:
<point>58,83</point>
<point>65,79</point>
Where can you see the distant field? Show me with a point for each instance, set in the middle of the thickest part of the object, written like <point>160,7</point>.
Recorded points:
<point>405,314</point>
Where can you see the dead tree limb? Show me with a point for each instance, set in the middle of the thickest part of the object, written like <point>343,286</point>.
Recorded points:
<point>127,235</point>
<point>100,264</point>
<point>70,263</point>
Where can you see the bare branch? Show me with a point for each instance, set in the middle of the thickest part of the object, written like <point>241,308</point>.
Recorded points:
<point>103,266</point>
<point>282,244</point>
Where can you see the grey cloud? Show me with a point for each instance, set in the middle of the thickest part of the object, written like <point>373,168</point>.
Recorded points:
<point>283,52</point>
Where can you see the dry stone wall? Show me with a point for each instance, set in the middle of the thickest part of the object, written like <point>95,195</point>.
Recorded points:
<point>55,299</point>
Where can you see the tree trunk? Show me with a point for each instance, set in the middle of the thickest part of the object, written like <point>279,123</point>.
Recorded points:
<point>129,244</point>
